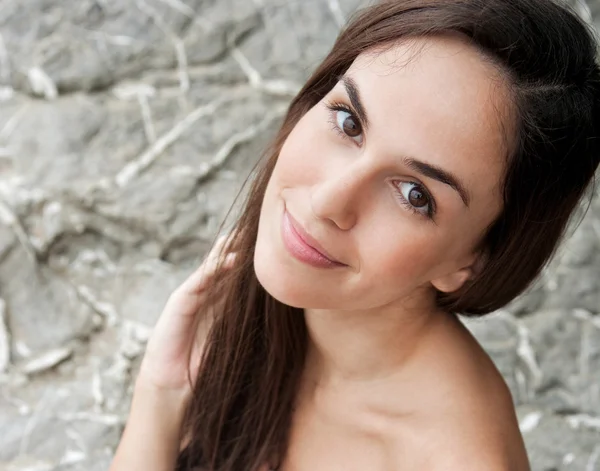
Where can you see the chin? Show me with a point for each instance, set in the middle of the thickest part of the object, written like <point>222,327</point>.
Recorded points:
<point>278,280</point>
<point>284,283</point>
<point>284,278</point>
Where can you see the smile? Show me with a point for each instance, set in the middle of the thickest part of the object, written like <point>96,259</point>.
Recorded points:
<point>302,246</point>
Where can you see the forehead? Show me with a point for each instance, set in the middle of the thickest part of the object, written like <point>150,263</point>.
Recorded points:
<point>437,99</point>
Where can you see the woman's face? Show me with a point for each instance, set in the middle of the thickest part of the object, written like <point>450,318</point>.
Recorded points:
<point>395,174</point>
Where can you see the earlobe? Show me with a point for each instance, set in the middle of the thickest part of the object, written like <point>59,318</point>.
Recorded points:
<point>453,281</point>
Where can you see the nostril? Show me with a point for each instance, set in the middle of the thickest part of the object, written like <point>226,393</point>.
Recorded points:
<point>334,207</point>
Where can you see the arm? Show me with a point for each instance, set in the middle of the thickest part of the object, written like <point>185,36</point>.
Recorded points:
<point>474,458</point>
<point>152,435</point>
<point>469,465</point>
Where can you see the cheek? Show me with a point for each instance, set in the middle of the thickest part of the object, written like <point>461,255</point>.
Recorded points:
<point>304,153</point>
<point>413,253</point>
<point>406,252</point>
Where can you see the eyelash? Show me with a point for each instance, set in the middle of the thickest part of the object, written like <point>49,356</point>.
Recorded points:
<point>431,205</point>
<point>334,106</point>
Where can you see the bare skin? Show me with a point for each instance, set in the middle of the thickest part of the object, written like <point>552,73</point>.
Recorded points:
<point>392,383</point>
<point>448,409</point>
<point>152,437</point>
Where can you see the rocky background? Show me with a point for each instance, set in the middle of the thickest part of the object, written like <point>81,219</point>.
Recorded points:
<point>126,129</point>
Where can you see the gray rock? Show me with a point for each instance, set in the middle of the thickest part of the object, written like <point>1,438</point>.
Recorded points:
<point>54,309</point>
<point>567,348</point>
<point>126,130</point>
<point>554,444</point>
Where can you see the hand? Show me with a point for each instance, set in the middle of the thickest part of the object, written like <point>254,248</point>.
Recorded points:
<point>173,346</point>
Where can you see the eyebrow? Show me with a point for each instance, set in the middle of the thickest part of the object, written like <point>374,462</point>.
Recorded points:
<point>425,169</point>
<point>354,95</point>
<point>440,175</point>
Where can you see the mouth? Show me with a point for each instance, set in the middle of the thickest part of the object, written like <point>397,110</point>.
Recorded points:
<point>303,246</point>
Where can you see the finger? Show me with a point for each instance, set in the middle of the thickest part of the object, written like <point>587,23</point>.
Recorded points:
<point>219,244</point>
<point>198,280</point>
<point>220,247</point>
<point>229,260</point>
<point>227,241</point>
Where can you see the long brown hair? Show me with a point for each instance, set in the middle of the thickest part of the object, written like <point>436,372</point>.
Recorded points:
<point>241,408</point>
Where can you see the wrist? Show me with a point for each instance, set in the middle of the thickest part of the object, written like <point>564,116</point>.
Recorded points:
<point>152,435</point>
<point>170,400</point>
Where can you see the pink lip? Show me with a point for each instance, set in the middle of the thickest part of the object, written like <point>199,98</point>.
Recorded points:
<point>302,246</point>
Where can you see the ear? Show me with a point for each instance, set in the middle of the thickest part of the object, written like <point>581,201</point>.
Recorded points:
<point>455,280</point>
<point>452,281</point>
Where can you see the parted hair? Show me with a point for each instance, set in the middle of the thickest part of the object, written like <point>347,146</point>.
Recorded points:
<point>240,413</point>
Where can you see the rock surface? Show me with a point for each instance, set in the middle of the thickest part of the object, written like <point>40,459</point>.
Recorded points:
<point>126,128</point>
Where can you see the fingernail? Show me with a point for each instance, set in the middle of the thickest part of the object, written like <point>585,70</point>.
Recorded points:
<point>230,258</point>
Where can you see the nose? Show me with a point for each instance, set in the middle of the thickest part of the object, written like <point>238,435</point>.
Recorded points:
<point>336,198</point>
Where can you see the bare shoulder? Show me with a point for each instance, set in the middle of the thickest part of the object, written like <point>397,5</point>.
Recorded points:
<point>472,423</point>
<point>475,445</point>
<point>473,433</point>
<point>477,462</point>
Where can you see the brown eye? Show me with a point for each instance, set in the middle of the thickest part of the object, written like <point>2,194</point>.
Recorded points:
<point>417,198</point>
<point>350,127</point>
<point>348,124</point>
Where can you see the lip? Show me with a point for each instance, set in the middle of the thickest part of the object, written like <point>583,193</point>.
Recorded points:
<point>303,246</point>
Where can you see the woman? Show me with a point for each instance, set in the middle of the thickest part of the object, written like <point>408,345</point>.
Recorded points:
<point>428,168</point>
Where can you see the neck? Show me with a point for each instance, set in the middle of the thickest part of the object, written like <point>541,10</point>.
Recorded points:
<point>367,346</point>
